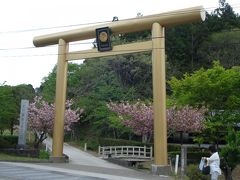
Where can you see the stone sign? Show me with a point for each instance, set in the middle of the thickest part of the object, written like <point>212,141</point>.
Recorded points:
<point>23,123</point>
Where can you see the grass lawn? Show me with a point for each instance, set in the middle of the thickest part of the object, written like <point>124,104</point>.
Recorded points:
<point>8,157</point>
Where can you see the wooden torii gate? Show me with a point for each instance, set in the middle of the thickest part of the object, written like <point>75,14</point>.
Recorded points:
<point>155,22</point>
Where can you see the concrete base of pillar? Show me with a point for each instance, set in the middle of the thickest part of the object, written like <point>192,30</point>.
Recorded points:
<point>161,170</point>
<point>62,159</point>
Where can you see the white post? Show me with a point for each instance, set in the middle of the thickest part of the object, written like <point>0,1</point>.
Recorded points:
<point>151,152</point>
<point>145,150</point>
<point>99,150</point>
<point>103,151</point>
<point>85,146</point>
<point>176,164</point>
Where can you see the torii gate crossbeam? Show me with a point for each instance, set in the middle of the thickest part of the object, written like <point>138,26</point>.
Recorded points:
<point>155,22</point>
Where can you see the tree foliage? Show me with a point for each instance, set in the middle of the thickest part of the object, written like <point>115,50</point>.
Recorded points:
<point>186,45</point>
<point>10,102</point>
<point>186,119</point>
<point>139,117</point>
<point>41,117</point>
<point>231,153</point>
<point>8,107</point>
<point>218,90</point>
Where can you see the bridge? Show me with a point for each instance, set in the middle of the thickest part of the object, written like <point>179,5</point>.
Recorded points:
<point>129,154</point>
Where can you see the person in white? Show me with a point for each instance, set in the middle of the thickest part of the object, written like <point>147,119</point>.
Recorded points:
<point>214,162</point>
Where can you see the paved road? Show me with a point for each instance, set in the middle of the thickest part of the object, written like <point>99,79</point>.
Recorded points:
<point>27,171</point>
<point>15,171</point>
<point>81,165</point>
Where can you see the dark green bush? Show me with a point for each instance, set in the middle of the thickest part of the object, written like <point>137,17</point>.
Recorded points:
<point>92,144</point>
<point>120,142</point>
<point>174,147</point>
<point>195,157</point>
<point>4,143</point>
<point>8,141</point>
<point>43,154</point>
<point>192,157</point>
<point>193,173</point>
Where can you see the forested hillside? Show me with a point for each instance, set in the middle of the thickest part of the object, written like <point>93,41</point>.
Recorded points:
<point>129,78</point>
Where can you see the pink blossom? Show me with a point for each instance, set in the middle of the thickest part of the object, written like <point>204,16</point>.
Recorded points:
<point>41,115</point>
<point>139,117</point>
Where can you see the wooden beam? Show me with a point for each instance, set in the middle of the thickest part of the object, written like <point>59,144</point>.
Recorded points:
<point>167,19</point>
<point>120,49</point>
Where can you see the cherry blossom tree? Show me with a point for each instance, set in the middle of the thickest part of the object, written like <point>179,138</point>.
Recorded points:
<point>185,119</point>
<point>139,117</point>
<point>41,118</point>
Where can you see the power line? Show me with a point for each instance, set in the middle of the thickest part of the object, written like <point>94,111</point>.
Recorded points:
<point>78,43</point>
<point>32,47</point>
<point>85,43</point>
<point>53,27</point>
<point>94,23</point>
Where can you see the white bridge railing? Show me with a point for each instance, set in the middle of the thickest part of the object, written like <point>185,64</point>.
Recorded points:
<point>133,152</point>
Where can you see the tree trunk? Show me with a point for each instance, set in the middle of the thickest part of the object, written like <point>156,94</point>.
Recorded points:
<point>39,140</point>
<point>149,138</point>
<point>181,138</point>
<point>129,136</point>
<point>144,138</point>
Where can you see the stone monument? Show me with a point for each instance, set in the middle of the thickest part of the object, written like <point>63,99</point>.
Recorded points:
<point>23,123</point>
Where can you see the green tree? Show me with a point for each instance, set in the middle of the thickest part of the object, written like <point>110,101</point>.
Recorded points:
<point>8,108</point>
<point>48,86</point>
<point>218,90</point>
<point>215,88</point>
<point>222,46</point>
<point>24,91</point>
<point>185,44</point>
<point>231,153</point>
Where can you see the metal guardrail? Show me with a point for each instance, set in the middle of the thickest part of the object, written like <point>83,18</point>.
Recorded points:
<point>126,152</point>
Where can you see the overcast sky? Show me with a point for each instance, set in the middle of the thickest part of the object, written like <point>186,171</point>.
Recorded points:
<point>22,20</point>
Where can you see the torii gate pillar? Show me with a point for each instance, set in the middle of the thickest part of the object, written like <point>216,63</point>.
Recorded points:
<point>160,165</point>
<point>61,87</point>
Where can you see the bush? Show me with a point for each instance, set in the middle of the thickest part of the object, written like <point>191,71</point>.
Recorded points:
<point>43,154</point>
<point>194,173</point>
<point>92,144</point>
<point>120,142</point>
<point>195,157</point>
<point>174,147</point>
<point>8,141</point>
<point>11,139</point>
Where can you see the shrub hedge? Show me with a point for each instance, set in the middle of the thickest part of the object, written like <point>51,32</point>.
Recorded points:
<point>193,173</point>
<point>8,141</point>
<point>120,142</point>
